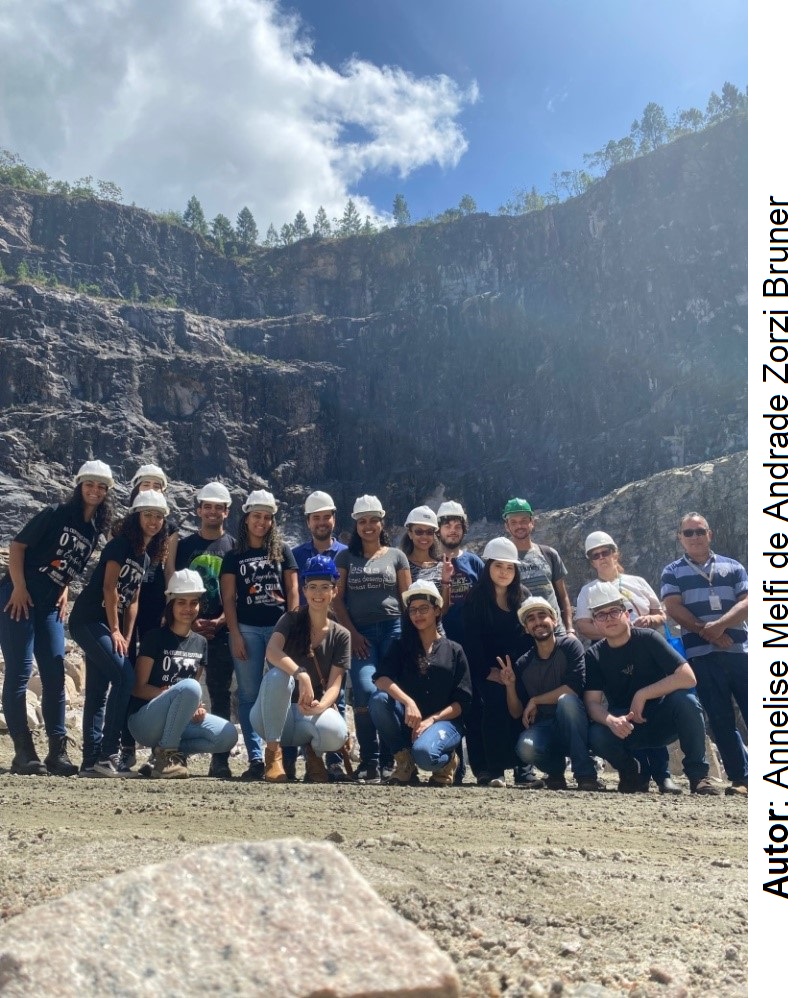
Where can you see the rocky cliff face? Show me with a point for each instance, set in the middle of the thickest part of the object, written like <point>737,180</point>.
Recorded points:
<point>557,355</point>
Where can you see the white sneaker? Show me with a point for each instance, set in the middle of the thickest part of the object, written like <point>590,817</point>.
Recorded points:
<point>106,767</point>
<point>497,781</point>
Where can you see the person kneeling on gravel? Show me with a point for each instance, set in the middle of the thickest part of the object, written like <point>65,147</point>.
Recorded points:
<point>424,691</point>
<point>648,690</point>
<point>544,687</point>
<point>166,710</point>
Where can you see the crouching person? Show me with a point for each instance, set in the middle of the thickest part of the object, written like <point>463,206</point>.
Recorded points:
<point>424,691</point>
<point>544,688</point>
<point>647,686</point>
<point>309,653</point>
<point>167,714</point>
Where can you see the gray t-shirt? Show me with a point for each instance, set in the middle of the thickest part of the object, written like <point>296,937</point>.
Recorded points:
<point>539,569</point>
<point>371,594</point>
<point>333,650</point>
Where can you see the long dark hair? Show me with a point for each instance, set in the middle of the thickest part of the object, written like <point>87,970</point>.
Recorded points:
<point>411,644</point>
<point>131,530</point>
<point>481,597</point>
<point>273,543</point>
<point>103,513</point>
<point>168,617</point>
<point>298,639</point>
<point>356,547</point>
<point>407,546</point>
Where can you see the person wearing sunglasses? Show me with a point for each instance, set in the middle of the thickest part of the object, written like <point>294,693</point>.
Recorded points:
<point>426,561</point>
<point>648,692</point>
<point>707,595</point>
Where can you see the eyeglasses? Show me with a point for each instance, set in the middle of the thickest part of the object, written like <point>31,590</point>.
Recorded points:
<point>603,553</point>
<point>695,532</point>
<point>318,588</point>
<point>614,614</point>
<point>420,608</point>
<point>423,531</point>
<point>150,514</point>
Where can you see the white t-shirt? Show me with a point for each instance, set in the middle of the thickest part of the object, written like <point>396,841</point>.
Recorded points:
<point>639,597</point>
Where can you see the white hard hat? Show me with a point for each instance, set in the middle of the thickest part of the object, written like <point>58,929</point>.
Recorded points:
<point>150,499</point>
<point>151,471</point>
<point>367,504</point>
<point>451,508</point>
<point>186,582</point>
<point>422,588</point>
<point>214,492</point>
<point>603,594</point>
<point>598,539</point>
<point>534,603</point>
<point>95,471</point>
<point>260,499</point>
<point>422,516</point>
<point>319,502</point>
<point>500,549</point>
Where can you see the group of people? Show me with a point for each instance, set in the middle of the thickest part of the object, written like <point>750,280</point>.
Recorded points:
<point>442,649</point>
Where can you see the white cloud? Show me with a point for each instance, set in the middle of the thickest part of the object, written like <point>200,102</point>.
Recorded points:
<point>218,98</point>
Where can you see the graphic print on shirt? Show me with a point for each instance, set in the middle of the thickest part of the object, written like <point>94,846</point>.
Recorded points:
<point>70,557</point>
<point>178,664</point>
<point>128,582</point>
<point>363,578</point>
<point>260,581</point>
<point>208,568</point>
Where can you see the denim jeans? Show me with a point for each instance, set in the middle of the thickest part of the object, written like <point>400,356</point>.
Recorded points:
<point>248,679</point>
<point>166,722</point>
<point>678,716</point>
<point>721,676</point>
<point>431,751</point>
<point>103,719</point>
<point>380,636</point>
<point>276,718</point>
<point>546,743</point>
<point>40,636</point>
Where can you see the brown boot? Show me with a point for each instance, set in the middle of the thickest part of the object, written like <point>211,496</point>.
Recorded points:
<point>405,769</point>
<point>444,777</point>
<point>169,765</point>
<point>274,764</point>
<point>315,767</point>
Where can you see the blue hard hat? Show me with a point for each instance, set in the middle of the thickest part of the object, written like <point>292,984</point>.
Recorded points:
<point>320,566</point>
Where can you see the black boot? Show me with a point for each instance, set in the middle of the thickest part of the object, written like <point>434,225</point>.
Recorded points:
<point>26,762</point>
<point>58,763</point>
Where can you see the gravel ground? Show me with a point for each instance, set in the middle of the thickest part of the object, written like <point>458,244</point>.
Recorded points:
<point>530,892</point>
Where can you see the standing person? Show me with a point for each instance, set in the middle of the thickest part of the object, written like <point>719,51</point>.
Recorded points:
<point>421,547</point>
<point>102,623</point>
<point>492,631</point>
<point>467,566</point>
<point>424,691</point>
<point>49,552</point>
<point>259,580</point>
<point>373,576</point>
<point>707,594</point>
<point>203,552</point>
<point>542,571</point>
<point>644,610</point>
<point>639,694</point>
<point>309,653</point>
<point>167,711</point>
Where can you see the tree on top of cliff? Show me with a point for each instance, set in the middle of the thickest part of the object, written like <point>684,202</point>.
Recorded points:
<point>400,211</point>
<point>350,224</point>
<point>246,231</point>
<point>300,226</point>
<point>321,227</point>
<point>223,236</point>
<point>194,217</point>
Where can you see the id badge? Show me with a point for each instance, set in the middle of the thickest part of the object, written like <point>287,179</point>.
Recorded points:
<point>714,602</point>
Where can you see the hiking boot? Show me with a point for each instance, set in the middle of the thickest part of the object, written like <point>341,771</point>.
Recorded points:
<point>127,760</point>
<point>444,777</point>
<point>315,767</point>
<point>555,782</point>
<point>255,771</point>
<point>403,770</point>
<point>337,774</point>
<point>706,787</point>
<point>483,779</point>
<point>274,764</point>
<point>220,768</point>
<point>106,767</point>
<point>497,781</point>
<point>169,765</point>
<point>26,762</point>
<point>667,786</point>
<point>57,761</point>
<point>526,777</point>
<point>630,778</point>
<point>590,784</point>
<point>368,774</point>
<point>738,788</point>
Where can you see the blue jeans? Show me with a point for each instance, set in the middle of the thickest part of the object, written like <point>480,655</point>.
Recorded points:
<point>103,719</point>
<point>431,751</point>
<point>166,722</point>
<point>546,743</point>
<point>380,636</point>
<point>678,716</point>
<point>42,636</point>
<point>248,678</point>
<point>276,718</point>
<point>721,676</point>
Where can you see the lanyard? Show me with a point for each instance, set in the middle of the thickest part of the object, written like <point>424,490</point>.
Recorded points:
<point>700,571</point>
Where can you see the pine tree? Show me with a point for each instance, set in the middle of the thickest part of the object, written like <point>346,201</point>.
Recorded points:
<point>467,205</point>
<point>400,211</point>
<point>300,226</point>
<point>350,224</point>
<point>246,231</point>
<point>194,217</point>
<point>287,234</point>
<point>321,227</point>
<point>222,233</point>
<point>271,238</point>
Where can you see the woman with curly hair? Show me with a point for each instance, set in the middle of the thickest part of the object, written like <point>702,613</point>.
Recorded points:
<point>259,581</point>
<point>49,552</point>
<point>102,623</point>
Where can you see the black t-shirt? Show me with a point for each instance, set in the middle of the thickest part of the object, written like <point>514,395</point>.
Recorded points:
<point>445,680</point>
<point>206,558</point>
<point>90,605</point>
<point>174,658</point>
<point>260,596</point>
<point>646,658</point>
<point>564,667</point>
<point>59,542</point>
<point>490,632</point>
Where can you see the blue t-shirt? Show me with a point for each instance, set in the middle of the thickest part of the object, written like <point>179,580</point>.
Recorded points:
<point>467,569</point>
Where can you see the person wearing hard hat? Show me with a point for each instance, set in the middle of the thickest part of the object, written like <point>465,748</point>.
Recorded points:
<point>368,603</point>
<point>467,565</point>
<point>49,552</point>
<point>424,692</point>
<point>102,623</point>
<point>203,552</point>
<point>167,712</point>
<point>259,581</point>
<point>639,694</point>
<point>542,571</point>
<point>421,547</point>
<point>644,610</point>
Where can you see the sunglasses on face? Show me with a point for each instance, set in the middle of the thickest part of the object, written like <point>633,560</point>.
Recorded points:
<point>614,614</point>
<point>695,532</point>
<point>603,553</point>
<point>423,531</point>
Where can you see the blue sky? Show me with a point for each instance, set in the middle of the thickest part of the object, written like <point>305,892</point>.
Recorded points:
<point>285,106</point>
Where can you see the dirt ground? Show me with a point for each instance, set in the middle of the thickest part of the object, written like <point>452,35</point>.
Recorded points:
<point>530,892</point>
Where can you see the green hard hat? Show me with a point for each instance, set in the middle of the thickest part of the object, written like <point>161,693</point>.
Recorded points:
<point>517,506</point>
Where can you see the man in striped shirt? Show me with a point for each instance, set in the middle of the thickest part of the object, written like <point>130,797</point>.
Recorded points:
<point>707,594</point>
